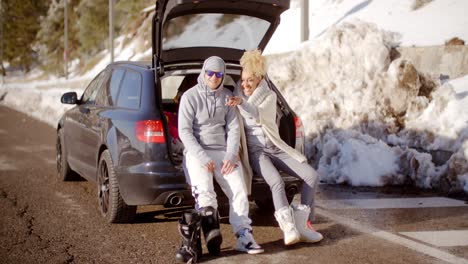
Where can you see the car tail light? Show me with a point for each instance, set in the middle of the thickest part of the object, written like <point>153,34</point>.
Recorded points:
<point>150,131</point>
<point>299,127</point>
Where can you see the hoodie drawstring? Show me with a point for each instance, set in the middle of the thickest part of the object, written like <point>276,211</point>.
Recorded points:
<point>212,111</point>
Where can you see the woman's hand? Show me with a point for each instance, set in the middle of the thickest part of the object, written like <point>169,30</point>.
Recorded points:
<point>228,167</point>
<point>233,100</point>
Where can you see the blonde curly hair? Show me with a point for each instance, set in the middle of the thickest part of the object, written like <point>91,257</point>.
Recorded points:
<point>253,62</point>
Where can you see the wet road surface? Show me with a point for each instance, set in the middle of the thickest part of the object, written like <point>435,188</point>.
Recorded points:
<point>44,220</point>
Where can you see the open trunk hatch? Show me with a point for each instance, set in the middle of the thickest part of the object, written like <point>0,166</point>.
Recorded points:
<point>185,30</point>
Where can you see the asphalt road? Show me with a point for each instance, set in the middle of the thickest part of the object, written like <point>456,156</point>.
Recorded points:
<point>44,220</point>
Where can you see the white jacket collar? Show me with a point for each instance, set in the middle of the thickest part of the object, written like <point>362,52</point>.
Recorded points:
<point>260,93</point>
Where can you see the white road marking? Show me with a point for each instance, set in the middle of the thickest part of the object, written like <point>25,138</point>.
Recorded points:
<point>36,148</point>
<point>276,258</point>
<point>419,247</point>
<point>387,203</point>
<point>449,238</point>
<point>7,164</point>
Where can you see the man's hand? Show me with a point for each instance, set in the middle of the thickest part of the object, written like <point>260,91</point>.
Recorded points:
<point>228,167</point>
<point>210,166</point>
<point>233,100</point>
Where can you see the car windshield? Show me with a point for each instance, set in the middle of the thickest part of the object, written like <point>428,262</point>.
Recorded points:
<point>214,30</point>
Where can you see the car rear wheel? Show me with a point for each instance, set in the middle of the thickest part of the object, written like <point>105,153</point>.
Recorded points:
<point>63,169</point>
<point>111,204</point>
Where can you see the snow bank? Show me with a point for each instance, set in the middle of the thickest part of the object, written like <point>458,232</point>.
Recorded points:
<point>431,24</point>
<point>44,105</point>
<point>371,119</point>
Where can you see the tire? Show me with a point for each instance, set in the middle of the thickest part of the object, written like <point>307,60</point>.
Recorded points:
<point>112,206</point>
<point>265,205</point>
<point>63,169</point>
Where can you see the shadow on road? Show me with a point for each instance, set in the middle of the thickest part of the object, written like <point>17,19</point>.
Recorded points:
<point>159,216</point>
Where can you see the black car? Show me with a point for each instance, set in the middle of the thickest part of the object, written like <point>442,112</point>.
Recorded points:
<point>122,133</point>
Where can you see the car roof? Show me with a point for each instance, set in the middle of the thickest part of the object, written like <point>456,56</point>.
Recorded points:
<point>142,64</point>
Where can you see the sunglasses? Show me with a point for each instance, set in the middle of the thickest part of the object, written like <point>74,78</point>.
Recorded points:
<point>211,73</point>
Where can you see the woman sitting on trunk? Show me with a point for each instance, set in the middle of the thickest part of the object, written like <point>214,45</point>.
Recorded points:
<point>268,152</point>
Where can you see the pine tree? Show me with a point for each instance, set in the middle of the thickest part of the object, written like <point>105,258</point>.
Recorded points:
<point>50,38</point>
<point>129,13</point>
<point>2,16</point>
<point>34,29</point>
<point>93,26</point>
<point>20,21</point>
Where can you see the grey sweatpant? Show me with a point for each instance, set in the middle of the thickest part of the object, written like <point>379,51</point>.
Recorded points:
<point>233,185</point>
<point>268,160</point>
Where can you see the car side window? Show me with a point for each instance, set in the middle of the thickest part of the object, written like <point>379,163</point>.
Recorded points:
<point>89,95</point>
<point>113,88</point>
<point>130,90</point>
<point>101,97</point>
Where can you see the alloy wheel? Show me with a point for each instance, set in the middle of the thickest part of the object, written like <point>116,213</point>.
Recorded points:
<point>103,188</point>
<point>59,155</point>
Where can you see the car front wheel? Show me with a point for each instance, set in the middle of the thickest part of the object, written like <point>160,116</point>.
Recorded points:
<point>111,204</point>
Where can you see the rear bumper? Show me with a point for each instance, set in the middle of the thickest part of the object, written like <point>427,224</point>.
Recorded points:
<point>261,190</point>
<point>153,183</point>
<point>157,184</point>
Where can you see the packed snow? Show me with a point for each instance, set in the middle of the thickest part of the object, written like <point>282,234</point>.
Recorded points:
<point>370,119</point>
<point>418,22</point>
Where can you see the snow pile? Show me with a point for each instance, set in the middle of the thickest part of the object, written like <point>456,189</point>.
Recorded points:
<point>43,105</point>
<point>420,22</point>
<point>371,119</point>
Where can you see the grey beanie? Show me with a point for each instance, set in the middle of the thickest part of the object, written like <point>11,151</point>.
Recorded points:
<point>215,63</point>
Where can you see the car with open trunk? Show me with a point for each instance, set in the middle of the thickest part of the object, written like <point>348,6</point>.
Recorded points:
<point>122,131</point>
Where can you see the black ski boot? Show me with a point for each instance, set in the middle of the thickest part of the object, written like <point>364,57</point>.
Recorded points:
<point>189,228</point>
<point>211,231</point>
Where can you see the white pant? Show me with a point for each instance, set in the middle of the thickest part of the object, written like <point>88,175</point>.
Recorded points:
<point>232,184</point>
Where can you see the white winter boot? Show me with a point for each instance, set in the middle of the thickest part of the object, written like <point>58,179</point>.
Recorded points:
<point>304,226</point>
<point>285,218</point>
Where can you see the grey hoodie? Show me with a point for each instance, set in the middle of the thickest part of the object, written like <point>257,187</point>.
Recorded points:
<point>205,122</point>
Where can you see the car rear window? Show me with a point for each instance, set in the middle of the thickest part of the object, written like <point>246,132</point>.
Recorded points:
<point>130,90</point>
<point>214,30</point>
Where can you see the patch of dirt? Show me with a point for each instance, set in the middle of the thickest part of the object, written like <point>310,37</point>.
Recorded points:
<point>417,4</point>
<point>455,42</point>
